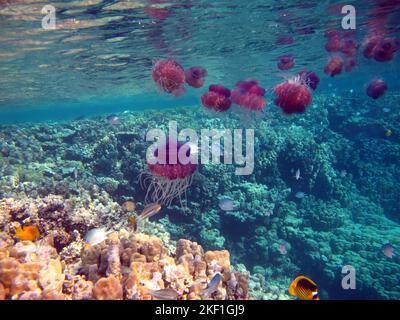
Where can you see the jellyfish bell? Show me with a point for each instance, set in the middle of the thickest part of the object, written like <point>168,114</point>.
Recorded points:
<point>376,89</point>
<point>220,89</point>
<point>293,96</point>
<point>286,62</point>
<point>334,44</point>
<point>334,66</point>
<point>169,76</point>
<point>217,98</point>
<point>195,76</point>
<point>369,45</point>
<point>249,95</point>
<point>170,172</point>
<point>385,50</point>
<point>309,78</point>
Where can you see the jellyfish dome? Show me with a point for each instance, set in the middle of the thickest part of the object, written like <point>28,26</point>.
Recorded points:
<point>309,78</point>
<point>334,66</point>
<point>293,96</point>
<point>249,95</point>
<point>286,62</point>
<point>169,76</point>
<point>195,76</point>
<point>376,89</point>
<point>217,98</point>
<point>168,178</point>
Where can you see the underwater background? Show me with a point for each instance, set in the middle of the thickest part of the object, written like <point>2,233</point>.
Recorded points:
<point>325,190</point>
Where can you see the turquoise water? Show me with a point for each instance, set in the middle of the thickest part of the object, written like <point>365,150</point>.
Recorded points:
<point>59,85</point>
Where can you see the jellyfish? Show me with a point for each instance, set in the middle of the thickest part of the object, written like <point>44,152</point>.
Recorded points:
<point>309,78</point>
<point>217,98</point>
<point>169,177</point>
<point>376,89</point>
<point>293,96</point>
<point>195,76</point>
<point>349,48</point>
<point>169,76</point>
<point>334,44</point>
<point>286,62</point>
<point>334,66</point>
<point>385,50</point>
<point>369,46</point>
<point>249,95</point>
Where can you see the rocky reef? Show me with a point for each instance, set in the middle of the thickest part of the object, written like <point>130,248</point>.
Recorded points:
<point>340,211</point>
<point>127,265</point>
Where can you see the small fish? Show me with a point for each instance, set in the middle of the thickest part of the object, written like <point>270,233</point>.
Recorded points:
<point>212,286</point>
<point>388,250</point>
<point>149,211</point>
<point>133,221</point>
<point>128,206</point>
<point>76,174</point>
<point>227,204</point>
<point>343,173</point>
<point>386,110</point>
<point>113,119</point>
<point>300,195</point>
<point>388,133</point>
<point>165,294</point>
<point>297,175</point>
<point>304,288</point>
<point>30,233</point>
<point>96,236</point>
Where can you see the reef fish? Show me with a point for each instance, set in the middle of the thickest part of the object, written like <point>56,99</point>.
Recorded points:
<point>300,195</point>
<point>149,211</point>
<point>297,175</point>
<point>165,294</point>
<point>388,250</point>
<point>30,233</point>
<point>227,204</point>
<point>304,288</point>
<point>96,236</point>
<point>212,286</point>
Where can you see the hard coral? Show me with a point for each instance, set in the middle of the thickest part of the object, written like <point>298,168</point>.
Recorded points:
<point>108,289</point>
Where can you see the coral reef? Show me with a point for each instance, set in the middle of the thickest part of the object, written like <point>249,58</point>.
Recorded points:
<point>340,210</point>
<point>127,265</point>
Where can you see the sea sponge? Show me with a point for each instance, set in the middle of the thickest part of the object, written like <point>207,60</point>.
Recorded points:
<point>108,289</point>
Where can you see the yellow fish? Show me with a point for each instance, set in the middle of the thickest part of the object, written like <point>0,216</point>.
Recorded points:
<point>30,233</point>
<point>133,221</point>
<point>304,288</point>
